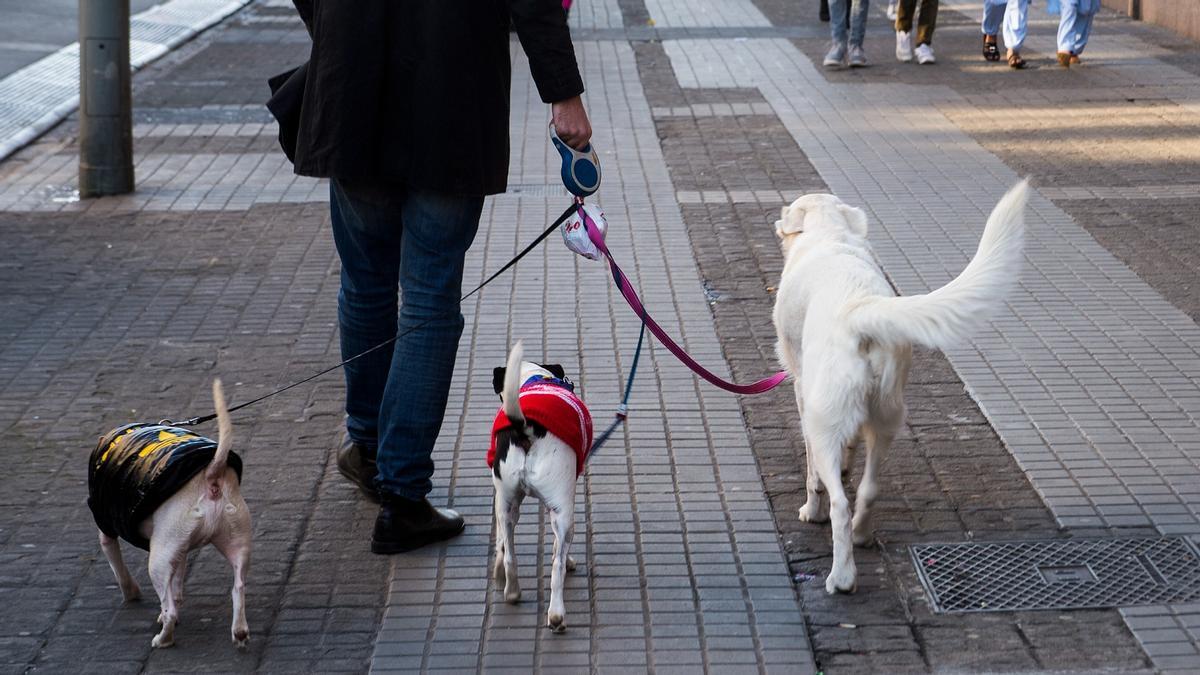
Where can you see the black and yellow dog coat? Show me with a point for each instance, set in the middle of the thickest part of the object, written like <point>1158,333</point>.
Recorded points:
<point>136,468</point>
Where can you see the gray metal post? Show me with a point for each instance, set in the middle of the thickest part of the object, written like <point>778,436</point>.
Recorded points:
<point>105,102</point>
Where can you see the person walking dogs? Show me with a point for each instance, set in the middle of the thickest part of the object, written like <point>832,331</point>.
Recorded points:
<point>1074,28</point>
<point>847,46</point>
<point>405,110</point>
<point>1014,14</point>
<point>926,21</point>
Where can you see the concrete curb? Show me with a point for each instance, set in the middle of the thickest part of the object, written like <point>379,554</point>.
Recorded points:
<point>42,94</point>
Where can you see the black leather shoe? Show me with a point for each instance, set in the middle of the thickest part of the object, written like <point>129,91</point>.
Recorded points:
<point>405,525</point>
<point>357,464</point>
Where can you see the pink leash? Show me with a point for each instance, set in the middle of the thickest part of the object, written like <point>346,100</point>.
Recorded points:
<point>635,302</point>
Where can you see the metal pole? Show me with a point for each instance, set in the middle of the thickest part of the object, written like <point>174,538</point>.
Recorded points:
<point>105,102</point>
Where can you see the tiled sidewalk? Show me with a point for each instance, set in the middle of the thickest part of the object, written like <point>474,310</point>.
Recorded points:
<point>680,567</point>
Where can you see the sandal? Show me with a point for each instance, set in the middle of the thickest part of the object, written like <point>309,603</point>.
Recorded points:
<point>991,51</point>
<point>1064,59</point>
<point>1015,61</point>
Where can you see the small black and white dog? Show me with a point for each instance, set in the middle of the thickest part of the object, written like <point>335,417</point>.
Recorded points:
<point>540,441</point>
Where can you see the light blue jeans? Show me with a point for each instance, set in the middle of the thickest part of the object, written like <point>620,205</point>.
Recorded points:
<point>858,21</point>
<point>1014,15</point>
<point>400,247</point>
<point>1076,24</point>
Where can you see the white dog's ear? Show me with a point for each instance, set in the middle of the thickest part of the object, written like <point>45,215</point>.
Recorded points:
<point>856,219</point>
<point>791,221</point>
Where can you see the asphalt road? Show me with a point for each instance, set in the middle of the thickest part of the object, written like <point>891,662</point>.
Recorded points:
<point>31,29</point>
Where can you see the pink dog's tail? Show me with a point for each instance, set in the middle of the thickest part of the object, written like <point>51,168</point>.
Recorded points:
<point>216,468</point>
<point>951,313</point>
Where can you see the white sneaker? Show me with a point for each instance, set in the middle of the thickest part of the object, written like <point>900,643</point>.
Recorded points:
<point>925,55</point>
<point>836,55</point>
<point>858,57</point>
<point>904,50</point>
<point>891,11</point>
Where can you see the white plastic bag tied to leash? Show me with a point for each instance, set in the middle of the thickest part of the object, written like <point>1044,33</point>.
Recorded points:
<point>575,235</point>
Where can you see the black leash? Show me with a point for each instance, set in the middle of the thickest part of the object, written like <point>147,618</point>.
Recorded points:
<point>542,237</point>
<point>623,409</point>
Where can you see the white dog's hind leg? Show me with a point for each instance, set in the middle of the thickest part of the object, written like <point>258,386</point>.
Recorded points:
<point>877,447</point>
<point>848,456</point>
<point>811,512</point>
<point>112,551</point>
<point>562,521</point>
<point>826,452</point>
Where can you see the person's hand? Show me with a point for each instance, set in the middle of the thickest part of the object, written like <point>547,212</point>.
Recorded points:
<point>571,122</point>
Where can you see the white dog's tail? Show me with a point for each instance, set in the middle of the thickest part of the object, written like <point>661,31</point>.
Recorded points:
<point>511,395</point>
<point>949,314</point>
<point>216,468</point>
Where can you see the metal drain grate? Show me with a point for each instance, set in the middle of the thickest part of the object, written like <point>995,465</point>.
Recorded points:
<point>1058,574</point>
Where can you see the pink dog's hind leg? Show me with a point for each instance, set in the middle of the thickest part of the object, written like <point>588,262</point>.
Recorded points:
<point>177,583</point>
<point>165,557</point>
<point>237,551</point>
<point>112,551</point>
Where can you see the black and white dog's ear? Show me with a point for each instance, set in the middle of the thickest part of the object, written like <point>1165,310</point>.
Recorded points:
<point>498,379</point>
<point>555,369</point>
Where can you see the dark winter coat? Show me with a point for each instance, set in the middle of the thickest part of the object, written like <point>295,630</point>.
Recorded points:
<point>416,92</point>
<point>136,468</point>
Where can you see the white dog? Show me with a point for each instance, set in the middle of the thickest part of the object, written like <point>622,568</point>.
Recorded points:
<point>847,340</point>
<point>540,440</point>
<point>166,490</point>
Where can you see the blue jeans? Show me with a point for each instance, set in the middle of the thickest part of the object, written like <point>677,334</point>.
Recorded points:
<point>391,239</point>
<point>1076,24</point>
<point>858,20</point>
<point>1015,16</point>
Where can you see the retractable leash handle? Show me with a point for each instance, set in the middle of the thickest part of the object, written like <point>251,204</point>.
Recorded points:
<point>580,168</point>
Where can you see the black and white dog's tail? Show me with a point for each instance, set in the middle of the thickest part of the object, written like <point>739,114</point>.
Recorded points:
<point>511,394</point>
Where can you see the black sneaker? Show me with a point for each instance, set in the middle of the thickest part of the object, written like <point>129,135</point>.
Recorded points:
<point>405,525</point>
<point>357,464</point>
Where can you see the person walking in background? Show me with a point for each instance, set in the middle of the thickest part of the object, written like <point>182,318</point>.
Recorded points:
<point>1074,28</point>
<point>405,109</point>
<point>926,21</point>
<point>847,46</point>
<point>1014,15</point>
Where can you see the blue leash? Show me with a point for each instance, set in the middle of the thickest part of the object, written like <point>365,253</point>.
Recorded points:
<point>623,409</point>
